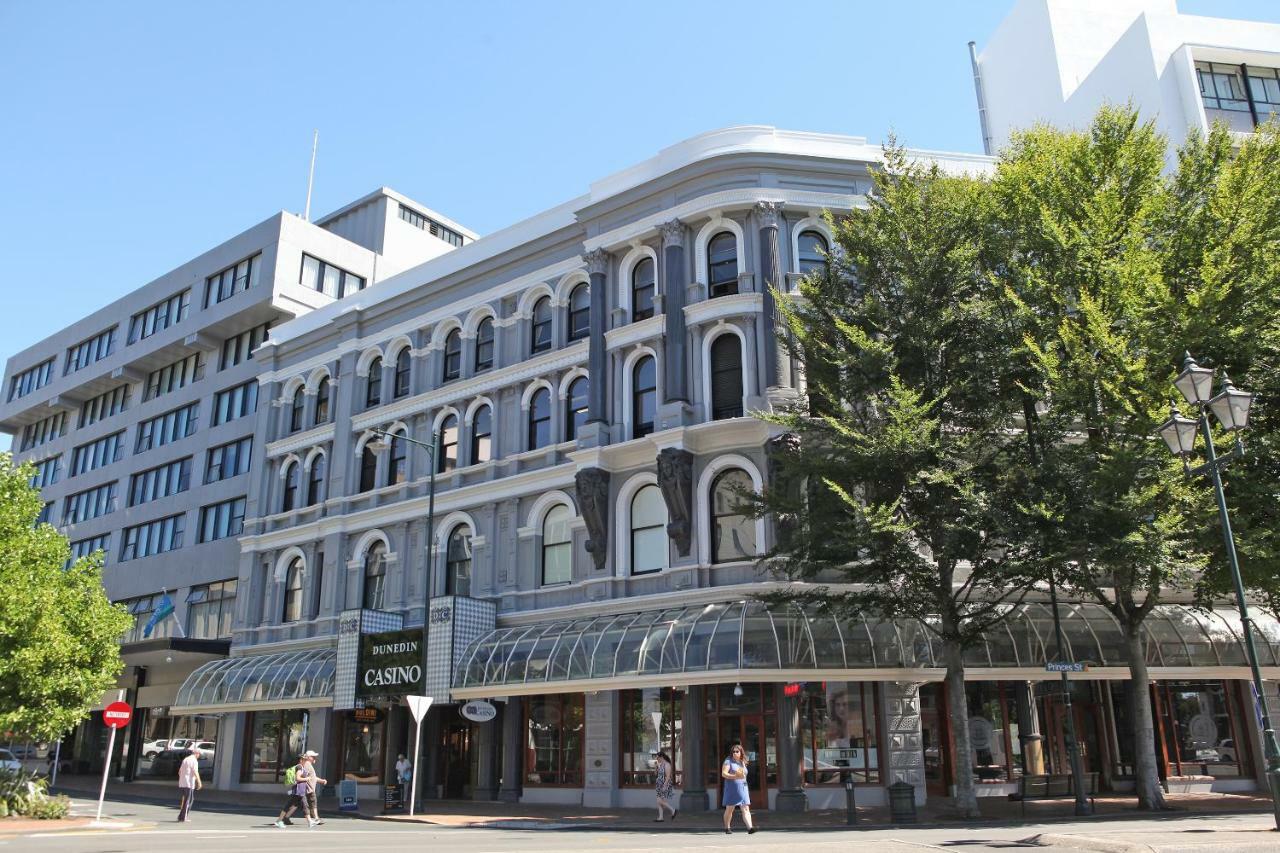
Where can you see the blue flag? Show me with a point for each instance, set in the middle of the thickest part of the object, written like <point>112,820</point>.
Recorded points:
<point>162,611</point>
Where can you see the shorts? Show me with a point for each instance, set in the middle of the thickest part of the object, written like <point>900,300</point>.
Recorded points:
<point>296,801</point>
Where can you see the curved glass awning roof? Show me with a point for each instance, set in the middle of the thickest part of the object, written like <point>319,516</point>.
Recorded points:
<point>301,679</point>
<point>758,639</point>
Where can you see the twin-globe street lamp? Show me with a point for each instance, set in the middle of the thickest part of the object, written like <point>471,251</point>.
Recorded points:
<point>1231,407</point>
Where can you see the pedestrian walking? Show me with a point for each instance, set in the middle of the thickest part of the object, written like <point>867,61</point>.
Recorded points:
<point>307,775</point>
<point>404,770</point>
<point>188,783</point>
<point>297,791</point>
<point>663,781</point>
<point>734,790</point>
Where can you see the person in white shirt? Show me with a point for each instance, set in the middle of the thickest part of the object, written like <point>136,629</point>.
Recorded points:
<point>188,783</point>
<point>404,770</point>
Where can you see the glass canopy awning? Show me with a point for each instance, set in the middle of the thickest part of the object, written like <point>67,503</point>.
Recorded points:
<point>754,638</point>
<point>302,679</point>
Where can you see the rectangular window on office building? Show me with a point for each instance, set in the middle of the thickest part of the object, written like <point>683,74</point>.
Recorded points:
<point>43,431</point>
<point>240,347</point>
<point>235,402</point>
<point>47,471</point>
<point>236,278</point>
<point>103,406</point>
<point>141,609</point>
<point>171,377</point>
<point>159,317</point>
<point>85,547</point>
<point>209,609</point>
<point>90,503</point>
<point>154,537</point>
<point>160,482</point>
<point>228,460</point>
<point>89,351</point>
<point>328,279</point>
<point>96,454</point>
<point>220,520</point>
<point>167,428</point>
<point>46,513</point>
<point>22,384</point>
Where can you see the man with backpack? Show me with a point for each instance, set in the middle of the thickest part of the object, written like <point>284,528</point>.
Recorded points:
<point>308,778</point>
<point>297,791</point>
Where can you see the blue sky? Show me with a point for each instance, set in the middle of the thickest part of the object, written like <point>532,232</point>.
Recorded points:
<point>137,135</point>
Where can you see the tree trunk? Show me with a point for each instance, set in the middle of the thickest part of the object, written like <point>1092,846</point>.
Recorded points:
<point>966,798</point>
<point>1145,770</point>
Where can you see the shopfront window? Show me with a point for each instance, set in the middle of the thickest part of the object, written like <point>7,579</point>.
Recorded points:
<point>363,737</point>
<point>166,739</point>
<point>840,732</point>
<point>276,739</point>
<point>555,727</point>
<point>1200,726</point>
<point>650,722</point>
<point>993,731</point>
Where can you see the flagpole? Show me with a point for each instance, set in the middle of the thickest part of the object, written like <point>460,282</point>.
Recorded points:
<point>177,621</point>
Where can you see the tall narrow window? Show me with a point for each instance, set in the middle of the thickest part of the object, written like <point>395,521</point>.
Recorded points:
<point>482,435</point>
<point>541,329</point>
<point>484,344</point>
<point>368,468</point>
<point>579,312</point>
<point>644,396</point>
<point>290,500</point>
<point>296,408</point>
<point>575,408</point>
<point>448,445</point>
<point>726,377</point>
<point>540,419</point>
<point>373,388</point>
<point>375,576</point>
<point>557,546</point>
<point>812,248</point>
<point>322,401</point>
<point>722,264</point>
<point>457,567</point>
<point>293,592</point>
<point>733,533</point>
<point>642,283</point>
<point>398,461</point>
<point>452,357</point>
<point>315,481</point>
<point>648,531</point>
<point>402,374</point>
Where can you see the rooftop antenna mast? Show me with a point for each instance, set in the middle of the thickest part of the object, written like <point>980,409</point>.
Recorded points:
<point>311,174</point>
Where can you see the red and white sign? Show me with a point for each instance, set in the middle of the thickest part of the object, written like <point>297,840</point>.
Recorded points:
<point>117,715</point>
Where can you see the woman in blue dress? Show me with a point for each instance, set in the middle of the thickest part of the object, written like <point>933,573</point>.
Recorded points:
<point>734,792</point>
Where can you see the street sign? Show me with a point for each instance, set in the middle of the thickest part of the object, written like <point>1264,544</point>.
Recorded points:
<point>117,715</point>
<point>418,706</point>
<point>1067,667</point>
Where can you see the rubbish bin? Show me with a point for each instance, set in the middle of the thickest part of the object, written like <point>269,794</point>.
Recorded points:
<point>902,802</point>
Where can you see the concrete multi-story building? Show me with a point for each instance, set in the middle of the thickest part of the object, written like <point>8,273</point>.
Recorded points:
<point>1058,61</point>
<point>140,419</point>
<point>569,575</point>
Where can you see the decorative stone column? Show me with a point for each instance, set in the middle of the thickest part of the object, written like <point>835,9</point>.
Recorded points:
<point>693,794</point>
<point>791,796</point>
<point>512,750</point>
<point>597,269</point>
<point>600,783</point>
<point>903,742</point>
<point>776,368</point>
<point>1029,727</point>
<point>674,281</point>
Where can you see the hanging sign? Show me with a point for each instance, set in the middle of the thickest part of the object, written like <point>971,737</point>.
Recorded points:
<point>1067,667</point>
<point>478,711</point>
<point>390,664</point>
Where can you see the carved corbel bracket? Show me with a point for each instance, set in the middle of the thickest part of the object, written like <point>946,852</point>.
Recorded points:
<point>675,478</point>
<point>592,486</point>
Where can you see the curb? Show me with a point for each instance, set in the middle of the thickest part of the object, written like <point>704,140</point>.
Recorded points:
<point>1088,842</point>
<point>1110,845</point>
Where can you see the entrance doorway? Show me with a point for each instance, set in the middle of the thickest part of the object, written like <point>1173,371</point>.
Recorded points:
<point>1088,719</point>
<point>935,736</point>
<point>456,761</point>
<point>750,732</point>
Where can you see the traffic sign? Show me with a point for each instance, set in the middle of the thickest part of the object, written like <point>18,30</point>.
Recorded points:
<point>1067,667</point>
<point>117,715</point>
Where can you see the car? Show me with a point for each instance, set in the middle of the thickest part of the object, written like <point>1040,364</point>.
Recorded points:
<point>166,761</point>
<point>152,748</point>
<point>9,762</point>
<point>1227,751</point>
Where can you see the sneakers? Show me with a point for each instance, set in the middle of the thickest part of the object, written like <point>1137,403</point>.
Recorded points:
<point>312,824</point>
<point>288,822</point>
<point>279,823</point>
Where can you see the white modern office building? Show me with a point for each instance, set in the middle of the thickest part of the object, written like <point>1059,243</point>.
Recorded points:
<point>140,420</point>
<point>1058,61</point>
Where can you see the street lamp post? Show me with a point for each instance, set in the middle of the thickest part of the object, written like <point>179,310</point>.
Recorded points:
<point>1231,407</point>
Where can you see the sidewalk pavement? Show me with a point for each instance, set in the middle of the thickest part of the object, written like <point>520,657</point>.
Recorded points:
<point>1258,837</point>
<point>468,813</point>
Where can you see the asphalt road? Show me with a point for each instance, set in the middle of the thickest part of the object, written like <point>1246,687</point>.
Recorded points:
<point>154,829</point>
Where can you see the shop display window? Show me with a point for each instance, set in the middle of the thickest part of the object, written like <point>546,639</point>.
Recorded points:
<point>165,741</point>
<point>276,739</point>
<point>554,727</point>
<point>840,732</point>
<point>363,741</point>
<point>650,722</point>
<point>993,731</point>
<point>1200,728</point>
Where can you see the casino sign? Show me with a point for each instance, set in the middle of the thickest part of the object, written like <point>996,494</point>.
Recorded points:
<point>390,664</point>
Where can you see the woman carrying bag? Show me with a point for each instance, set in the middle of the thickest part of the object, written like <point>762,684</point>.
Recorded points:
<point>734,793</point>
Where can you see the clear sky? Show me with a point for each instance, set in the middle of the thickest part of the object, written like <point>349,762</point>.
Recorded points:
<point>136,135</point>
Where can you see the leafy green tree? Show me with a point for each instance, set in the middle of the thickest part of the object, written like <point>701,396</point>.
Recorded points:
<point>903,492</point>
<point>59,635</point>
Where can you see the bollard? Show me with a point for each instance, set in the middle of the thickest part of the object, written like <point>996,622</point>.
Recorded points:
<point>850,801</point>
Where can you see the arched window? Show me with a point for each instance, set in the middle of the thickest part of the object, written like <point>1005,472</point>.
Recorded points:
<point>642,284</point>
<point>644,396</point>
<point>452,356</point>
<point>402,374</point>
<point>648,531</point>
<point>484,344</point>
<point>315,481</point>
<point>575,407</point>
<point>813,251</point>
<point>293,592</point>
<point>373,387</point>
<point>540,419</point>
<point>290,500</point>
<point>457,564</point>
<point>557,546</point>
<point>398,460</point>
<point>482,435</point>
<point>322,401</point>
<point>368,468</point>
<point>540,341</point>
<point>448,445</point>
<point>726,377</point>
<point>733,534</point>
<point>375,576</point>
<point>580,312</point>
<point>722,264</point>
<point>296,408</point>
